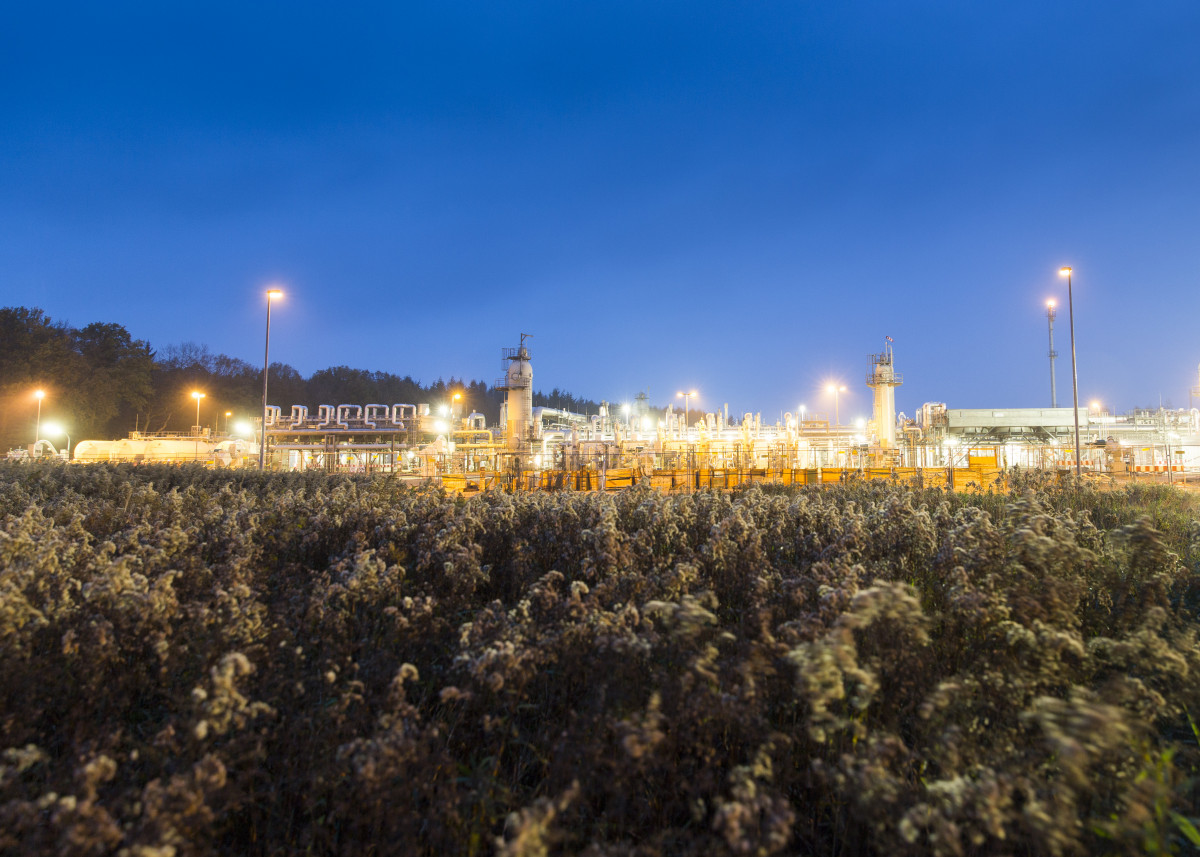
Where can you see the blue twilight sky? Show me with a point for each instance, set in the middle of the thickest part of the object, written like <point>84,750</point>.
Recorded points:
<point>743,198</point>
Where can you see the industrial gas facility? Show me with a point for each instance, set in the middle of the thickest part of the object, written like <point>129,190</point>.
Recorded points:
<point>631,443</point>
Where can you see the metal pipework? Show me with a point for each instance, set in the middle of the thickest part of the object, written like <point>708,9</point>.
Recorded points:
<point>398,413</point>
<point>473,433</point>
<point>375,412</point>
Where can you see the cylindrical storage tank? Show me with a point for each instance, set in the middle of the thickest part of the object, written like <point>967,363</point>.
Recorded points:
<point>93,450</point>
<point>129,449</point>
<point>230,453</point>
<point>178,449</point>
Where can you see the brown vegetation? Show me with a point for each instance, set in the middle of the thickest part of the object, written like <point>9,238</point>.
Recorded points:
<point>200,663</point>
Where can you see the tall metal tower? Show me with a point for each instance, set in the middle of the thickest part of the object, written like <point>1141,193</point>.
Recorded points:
<point>883,379</point>
<point>517,411</point>
<point>1050,314</point>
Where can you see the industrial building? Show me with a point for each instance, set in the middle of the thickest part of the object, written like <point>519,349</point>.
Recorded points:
<point>621,444</point>
<point>548,447</point>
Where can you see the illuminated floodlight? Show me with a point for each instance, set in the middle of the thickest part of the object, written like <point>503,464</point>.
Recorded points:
<point>443,410</point>
<point>625,409</point>
<point>537,460</point>
<point>860,422</point>
<point>243,427</point>
<point>1064,272</point>
<point>951,441</point>
<point>1051,303</point>
<point>647,424</point>
<point>54,430</point>
<point>440,426</point>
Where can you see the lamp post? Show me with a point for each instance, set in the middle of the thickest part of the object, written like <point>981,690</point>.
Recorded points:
<point>37,430</point>
<point>837,390</point>
<point>1050,315</point>
<point>685,396</point>
<point>228,414</point>
<point>1066,272</point>
<point>197,395</point>
<point>262,447</point>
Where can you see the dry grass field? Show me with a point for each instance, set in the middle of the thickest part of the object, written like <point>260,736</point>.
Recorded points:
<point>202,663</point>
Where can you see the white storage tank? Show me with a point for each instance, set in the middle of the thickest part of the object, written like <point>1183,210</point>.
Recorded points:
<point>178,449</point>
<point>129,449</point>
<point>93,450</point>
<point>231,453</point>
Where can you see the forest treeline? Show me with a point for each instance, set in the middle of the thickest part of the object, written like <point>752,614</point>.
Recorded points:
<point>101,383</point>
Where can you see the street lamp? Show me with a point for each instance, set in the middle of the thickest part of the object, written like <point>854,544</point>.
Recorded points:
<point>685,396</point>
<point>1050,316</point>
<point>837,390</point>
<point>197,395</point>
<point>55,429</point>
<point>262,447</point>
<point>37,430</point>
<point>228,414</point>
<point>1066,272</point>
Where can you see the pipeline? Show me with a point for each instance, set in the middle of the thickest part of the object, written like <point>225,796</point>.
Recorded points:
<point>375,412</point>
<point>398,413</point>
<point>473,433</point>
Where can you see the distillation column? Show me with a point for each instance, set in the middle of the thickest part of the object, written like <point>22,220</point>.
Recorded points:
<point>883,381</point>
<point>517,385</point>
